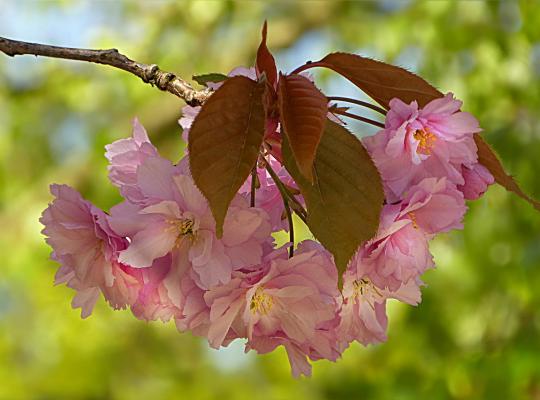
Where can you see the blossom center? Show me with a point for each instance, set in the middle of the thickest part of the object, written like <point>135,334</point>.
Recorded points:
<point>261,302</point>
<point>364,289</point>
<point>183,227</point>
<point>425,139</point>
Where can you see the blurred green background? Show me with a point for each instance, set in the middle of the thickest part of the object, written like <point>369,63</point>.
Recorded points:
<point>476,333</point>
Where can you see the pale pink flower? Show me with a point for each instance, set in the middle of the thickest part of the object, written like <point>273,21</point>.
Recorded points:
<point>363,313</point>
<point>169,291</point>
<point>434,206</point>
<point>477,180</point>
<point>214,313</point>
<point>295,297</point>
<point>292,302</point>
<point>398,253</point>
<point>325,345</point>
<point>136,167</point>
<point>125,156</point>
<point>434,141</point>
<point>184,223</point>
<point>87,249</point>
<point>297,356</point>
<point>154,300</point>
<point>186,120</point>
<point>186,296</point>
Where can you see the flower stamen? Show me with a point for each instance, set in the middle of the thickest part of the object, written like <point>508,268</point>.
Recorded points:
<point>425,139</point>
<point>184,227</point>
<point>412,217</point>
<point>261,302</point>
<point>365,290</point>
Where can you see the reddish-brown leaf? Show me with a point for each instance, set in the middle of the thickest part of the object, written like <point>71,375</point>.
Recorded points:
<point>224,142</point>
<point>488,158</point>
<point>381,81</point>
<point>303,110</point>
<point>265,60</point>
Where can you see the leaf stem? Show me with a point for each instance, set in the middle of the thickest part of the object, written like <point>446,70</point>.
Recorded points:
<point>285,194</point>
<point>291,226</point>
<point>308,65</point>
<point>286,197</point>
<point>358,102</point>
<point>357,117</point>
<point>253,186</point>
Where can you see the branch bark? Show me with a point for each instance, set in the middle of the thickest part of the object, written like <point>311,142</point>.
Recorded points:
<point>149,73</point>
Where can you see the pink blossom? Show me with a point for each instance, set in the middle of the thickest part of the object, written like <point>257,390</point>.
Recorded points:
<point>434,206</point>
<point>154,300</point>
<point>296,355</point>
<point>136,167</point>
<point>184,223</point>
<point>87,250</point>
<point>188,116</point>
<point>325,345</point>
<point>125,156</point>
<point>477,180</point>
<point>398,253</point>
<point>295,297</point>
<point>363,313</point>
<point>418,143</point>
<point>292,302</point>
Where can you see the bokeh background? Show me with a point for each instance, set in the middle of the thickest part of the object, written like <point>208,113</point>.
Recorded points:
<point>476,334</point>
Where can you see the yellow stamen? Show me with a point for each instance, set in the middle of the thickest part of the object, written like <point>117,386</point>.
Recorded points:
<point>184,227</point>
<point>359,286</point>
<point>412,216</point>
<point>426,140</point>
<point>261,302</point>
<point>362,289</point>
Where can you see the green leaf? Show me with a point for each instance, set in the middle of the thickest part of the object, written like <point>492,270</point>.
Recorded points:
<point>381,81</point>
<point>224,142</point>
<point>344,203</point>
<point>302,109</point>
<point>214,77</point>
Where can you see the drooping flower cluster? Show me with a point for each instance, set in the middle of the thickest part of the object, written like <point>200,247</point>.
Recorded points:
<point>157,252</point>
<point>427,159</point>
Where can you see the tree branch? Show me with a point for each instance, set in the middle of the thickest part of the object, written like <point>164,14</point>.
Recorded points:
<point>149,73</point>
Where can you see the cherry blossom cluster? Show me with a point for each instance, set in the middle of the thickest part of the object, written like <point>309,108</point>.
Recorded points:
<point>157,252</point>
<point>428,162</point>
